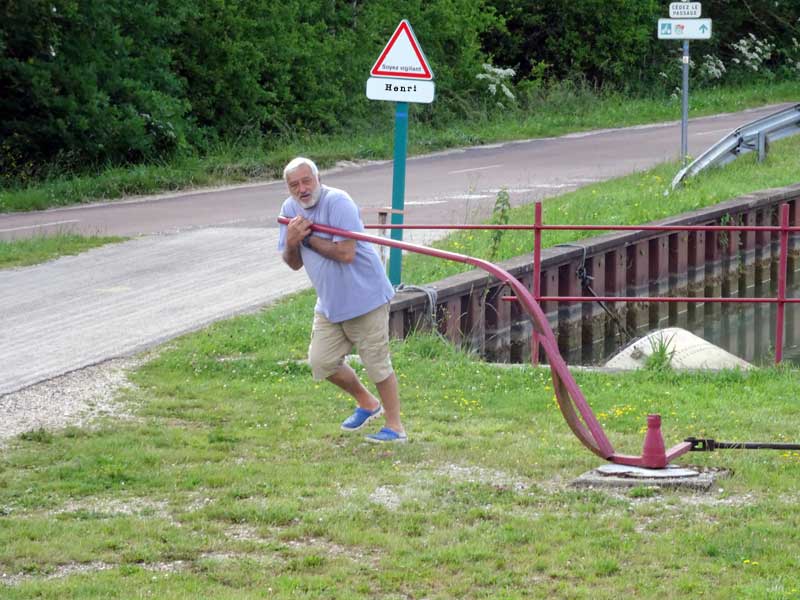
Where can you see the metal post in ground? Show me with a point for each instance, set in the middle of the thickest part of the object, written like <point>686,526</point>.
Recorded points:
<point>537,273</point>
<point>384,250</point>
<point>398,188</point>
<point>782,262</point>
<point>685,106</point>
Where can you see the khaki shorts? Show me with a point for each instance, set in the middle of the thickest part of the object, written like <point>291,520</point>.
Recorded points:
<point>331,342</point>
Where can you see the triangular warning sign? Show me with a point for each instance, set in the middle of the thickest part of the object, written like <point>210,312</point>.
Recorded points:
<point>402,57</point>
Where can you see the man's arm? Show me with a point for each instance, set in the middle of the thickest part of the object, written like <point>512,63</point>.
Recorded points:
<point>296,231</point>
<point>291,256</point>
<point>342,251</point>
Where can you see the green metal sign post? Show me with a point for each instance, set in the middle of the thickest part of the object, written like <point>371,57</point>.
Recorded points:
<point>398,188</point>
<point>400,75</point>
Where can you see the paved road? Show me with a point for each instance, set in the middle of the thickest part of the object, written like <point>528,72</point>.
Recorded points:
<point>447,187</point>
<point>120,299</point>
<point>204,256</point>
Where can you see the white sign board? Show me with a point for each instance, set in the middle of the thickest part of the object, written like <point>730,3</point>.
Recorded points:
<point>684,10</point>
<point>684,29</point>
<point>400,90</point>
<point>402,57</point>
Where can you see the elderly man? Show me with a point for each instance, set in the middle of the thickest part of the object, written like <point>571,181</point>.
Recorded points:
<point>353,296</point>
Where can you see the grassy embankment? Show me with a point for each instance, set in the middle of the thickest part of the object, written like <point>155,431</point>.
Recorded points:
<point>630,200</point>
<point>31,251</point>
<point>232,479</point>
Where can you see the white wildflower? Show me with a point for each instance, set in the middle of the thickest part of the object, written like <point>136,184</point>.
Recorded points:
<point>497,77</point>
<point>712,67</point>
<point>754,52</point>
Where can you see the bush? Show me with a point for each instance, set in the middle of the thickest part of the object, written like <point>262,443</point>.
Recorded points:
<point>87,82</point>
<point>91,82</point>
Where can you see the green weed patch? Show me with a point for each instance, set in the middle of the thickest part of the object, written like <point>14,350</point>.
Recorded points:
<point>30,251</point>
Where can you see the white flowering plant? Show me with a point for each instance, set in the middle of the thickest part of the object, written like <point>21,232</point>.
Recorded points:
<point>711,68</point>
<point>498,84</point>
<point>752,55</point>
<point>791,58</point>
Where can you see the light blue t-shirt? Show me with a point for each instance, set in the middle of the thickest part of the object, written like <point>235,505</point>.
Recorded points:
<point>344,291</point>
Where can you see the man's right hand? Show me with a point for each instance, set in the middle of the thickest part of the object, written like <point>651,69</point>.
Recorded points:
<point>297,230</point>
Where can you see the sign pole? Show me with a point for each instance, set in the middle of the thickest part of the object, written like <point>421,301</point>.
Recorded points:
<point>685,102</point>
<point>685,24</point>
<point>398,187</point>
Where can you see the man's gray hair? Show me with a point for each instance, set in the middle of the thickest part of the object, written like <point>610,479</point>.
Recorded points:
<point>298,162</point>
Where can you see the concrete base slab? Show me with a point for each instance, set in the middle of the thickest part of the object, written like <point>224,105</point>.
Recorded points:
<point>684,350</point>
<point>613,476</point>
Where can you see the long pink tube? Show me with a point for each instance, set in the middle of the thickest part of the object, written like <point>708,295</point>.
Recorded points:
<point>573,405</point>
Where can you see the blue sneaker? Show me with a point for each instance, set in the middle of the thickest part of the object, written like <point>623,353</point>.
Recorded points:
<point>386,435</point>
<point>361,417</point>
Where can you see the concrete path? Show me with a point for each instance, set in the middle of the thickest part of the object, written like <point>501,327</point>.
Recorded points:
<point>119,299</point>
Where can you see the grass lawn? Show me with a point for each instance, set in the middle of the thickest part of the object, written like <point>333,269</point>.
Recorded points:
<point>231,479</point>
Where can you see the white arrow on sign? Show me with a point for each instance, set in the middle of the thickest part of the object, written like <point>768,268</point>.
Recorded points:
<point>684,29</point>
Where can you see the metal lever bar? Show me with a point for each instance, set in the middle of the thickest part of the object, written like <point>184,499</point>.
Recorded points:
<point>709,445</point>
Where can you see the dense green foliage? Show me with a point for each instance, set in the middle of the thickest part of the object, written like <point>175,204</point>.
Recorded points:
<point>615,44</point>
<point>96,82</point>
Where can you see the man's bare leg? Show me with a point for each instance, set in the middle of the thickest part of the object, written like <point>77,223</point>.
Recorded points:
<point>391,402</point>
<point>346,378</point>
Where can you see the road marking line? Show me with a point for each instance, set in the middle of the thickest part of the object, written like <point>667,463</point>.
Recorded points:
<point>40,225</point>
<point>468,197</point>
<point>713,132</point>
<point>553,186</point>
<point>475,169</point>
<point>535,186</point>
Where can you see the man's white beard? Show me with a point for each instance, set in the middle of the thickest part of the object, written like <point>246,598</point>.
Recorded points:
<point>314,198</point>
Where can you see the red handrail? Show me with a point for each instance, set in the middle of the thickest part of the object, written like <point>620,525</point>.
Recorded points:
<point>783,229</point>
<point>492,227</point>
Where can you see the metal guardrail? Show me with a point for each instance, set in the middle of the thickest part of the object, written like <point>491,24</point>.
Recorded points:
<point>747,138</point>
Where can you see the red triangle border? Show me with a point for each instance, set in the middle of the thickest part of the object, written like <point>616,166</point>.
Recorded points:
<point>423,63</point>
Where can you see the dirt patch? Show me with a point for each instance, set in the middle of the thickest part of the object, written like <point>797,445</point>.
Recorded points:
<point>114,507</point>
<point>470,474</point>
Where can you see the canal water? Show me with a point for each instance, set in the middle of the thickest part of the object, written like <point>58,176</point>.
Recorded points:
<point>745,330</point>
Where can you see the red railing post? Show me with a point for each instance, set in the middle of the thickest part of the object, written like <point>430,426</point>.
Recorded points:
<point>537,273</point>
<point>782,262</point>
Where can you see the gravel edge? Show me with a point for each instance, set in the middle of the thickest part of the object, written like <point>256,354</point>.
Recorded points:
<point>74,399</point>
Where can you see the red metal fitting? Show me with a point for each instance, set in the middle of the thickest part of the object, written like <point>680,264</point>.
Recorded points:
<point>654,455</point>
